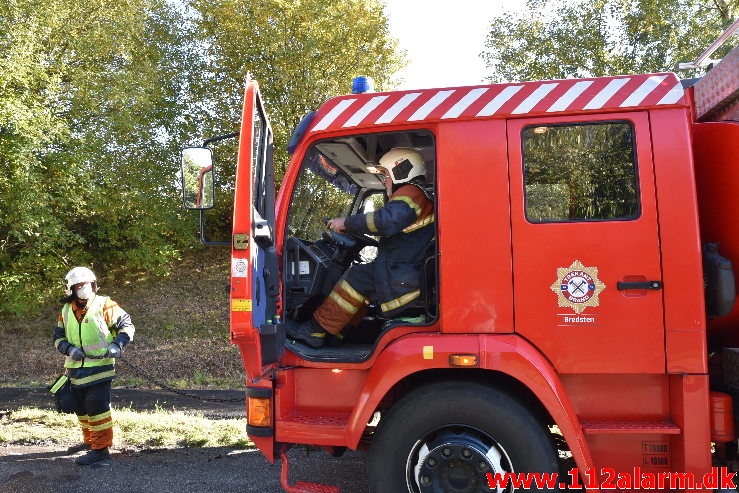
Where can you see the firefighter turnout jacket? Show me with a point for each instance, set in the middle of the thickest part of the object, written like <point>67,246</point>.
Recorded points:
<point>92,327</point>
<point>405,225</point>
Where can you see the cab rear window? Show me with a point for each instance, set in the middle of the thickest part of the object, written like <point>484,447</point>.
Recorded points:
<point>580,172</point>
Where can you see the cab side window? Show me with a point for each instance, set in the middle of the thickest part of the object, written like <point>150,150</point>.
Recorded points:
<point>322,190</point>
<point>580,172</point>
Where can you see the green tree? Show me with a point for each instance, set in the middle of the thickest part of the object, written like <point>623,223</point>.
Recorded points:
<point>302,52</point>
<point>555,40</point>
<point>89,99</point>
<point>98,96</point>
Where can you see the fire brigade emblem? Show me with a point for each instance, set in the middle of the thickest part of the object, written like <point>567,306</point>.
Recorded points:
<point>577,287</point>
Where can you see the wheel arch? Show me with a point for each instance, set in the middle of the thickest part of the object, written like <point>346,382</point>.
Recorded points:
<point>506,362</point>
<point>483,376</point>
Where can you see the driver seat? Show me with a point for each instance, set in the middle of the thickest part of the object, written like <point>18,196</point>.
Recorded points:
<point>424,308</point>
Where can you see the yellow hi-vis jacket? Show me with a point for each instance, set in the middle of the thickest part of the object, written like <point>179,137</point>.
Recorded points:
<point>92,335</point>
<point>103,322</point>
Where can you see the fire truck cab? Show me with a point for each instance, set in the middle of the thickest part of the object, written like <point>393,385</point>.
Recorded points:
<point>562,321</point>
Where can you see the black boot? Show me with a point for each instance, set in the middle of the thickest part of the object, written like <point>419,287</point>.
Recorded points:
<point>79,448</point>
<point>334,340</point>
<point>309,332</point>
<point>92,457</point>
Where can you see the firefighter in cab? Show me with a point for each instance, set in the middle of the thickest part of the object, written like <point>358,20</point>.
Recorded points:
<point>405,225</point>
<point>91,332</point>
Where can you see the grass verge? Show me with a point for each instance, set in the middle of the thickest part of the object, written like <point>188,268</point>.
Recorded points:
<point>182,329</point>
<point>132,429</point>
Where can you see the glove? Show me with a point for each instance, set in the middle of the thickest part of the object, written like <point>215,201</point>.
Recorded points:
<point>63,347</point>
<point>114,351</point>
<point>75,353</point>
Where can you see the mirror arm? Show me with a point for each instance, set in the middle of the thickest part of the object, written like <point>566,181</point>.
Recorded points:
<point>219,137</point>
<point>202,234</point>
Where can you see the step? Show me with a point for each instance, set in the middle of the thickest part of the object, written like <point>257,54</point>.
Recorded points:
<point>319,419</point>
<point>312,427</point>
<point>632,427</point>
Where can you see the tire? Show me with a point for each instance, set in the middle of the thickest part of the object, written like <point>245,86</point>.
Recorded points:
<point>438,437</point>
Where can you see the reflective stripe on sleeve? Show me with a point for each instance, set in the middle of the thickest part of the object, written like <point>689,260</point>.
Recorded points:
<point>370,218</point>
<point>419,224</point>
<point>410,202</point>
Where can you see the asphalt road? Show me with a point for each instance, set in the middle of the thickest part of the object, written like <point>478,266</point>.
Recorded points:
<point>32,469</point>
<point>45,469</point>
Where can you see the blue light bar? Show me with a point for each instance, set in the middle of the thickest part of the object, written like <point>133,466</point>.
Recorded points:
<point>362,84</point>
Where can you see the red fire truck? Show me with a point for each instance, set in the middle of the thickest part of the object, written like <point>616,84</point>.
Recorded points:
<point>576,305</point>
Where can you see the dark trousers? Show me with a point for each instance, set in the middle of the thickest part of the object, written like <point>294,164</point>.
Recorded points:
<point>93,413</point>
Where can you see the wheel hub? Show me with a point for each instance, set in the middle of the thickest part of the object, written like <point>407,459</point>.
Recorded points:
<point>457,463</point>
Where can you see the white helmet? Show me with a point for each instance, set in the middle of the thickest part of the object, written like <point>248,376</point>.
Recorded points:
<point>404,164</point>
<point>76,276</point>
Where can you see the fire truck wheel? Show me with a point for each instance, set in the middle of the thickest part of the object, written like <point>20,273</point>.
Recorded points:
<point>446,438</point>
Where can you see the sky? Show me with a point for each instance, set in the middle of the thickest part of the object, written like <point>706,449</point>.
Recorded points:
<point>443,39</point>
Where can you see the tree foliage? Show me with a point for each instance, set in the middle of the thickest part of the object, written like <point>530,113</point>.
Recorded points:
<point>98,96</point>
<point>585,38</point>
<point>86,107</point>
<point>302,52</point>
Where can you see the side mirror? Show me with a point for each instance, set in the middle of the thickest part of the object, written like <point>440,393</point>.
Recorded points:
<point>198,187</point>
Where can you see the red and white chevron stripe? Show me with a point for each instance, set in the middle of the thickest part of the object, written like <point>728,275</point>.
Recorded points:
<point>500,100</point>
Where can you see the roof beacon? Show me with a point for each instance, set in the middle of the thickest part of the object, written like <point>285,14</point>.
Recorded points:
<point>361,85</point>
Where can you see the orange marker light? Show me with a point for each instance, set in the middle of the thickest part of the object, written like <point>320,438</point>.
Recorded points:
<point>463,360</point>
<point>259,413</point>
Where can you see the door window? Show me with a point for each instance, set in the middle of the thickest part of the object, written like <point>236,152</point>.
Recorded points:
<point>371,203</point>
<point>322,190</point>
<point>580,172</point>
<point>261,140</point>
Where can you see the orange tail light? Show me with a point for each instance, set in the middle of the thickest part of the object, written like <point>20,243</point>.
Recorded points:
<point>259,411</point>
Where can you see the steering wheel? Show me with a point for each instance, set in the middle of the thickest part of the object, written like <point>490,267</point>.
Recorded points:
<point>341,238</point>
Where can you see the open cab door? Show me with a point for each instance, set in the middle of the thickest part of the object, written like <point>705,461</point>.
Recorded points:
<point>254,270</point>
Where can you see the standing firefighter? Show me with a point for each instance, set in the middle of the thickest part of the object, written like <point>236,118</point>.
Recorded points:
<point>90,332</point>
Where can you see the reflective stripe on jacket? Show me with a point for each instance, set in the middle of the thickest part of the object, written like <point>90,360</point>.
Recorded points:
<point>406,228</point>
<point>92,334</point>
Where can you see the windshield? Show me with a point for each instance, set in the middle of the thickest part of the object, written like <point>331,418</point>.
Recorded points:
<point>322,190</point>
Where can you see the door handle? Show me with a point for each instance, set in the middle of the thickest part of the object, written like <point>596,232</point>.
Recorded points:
<point>623,286</point>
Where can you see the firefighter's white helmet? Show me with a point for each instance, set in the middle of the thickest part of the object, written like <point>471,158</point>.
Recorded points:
<point>76,276</point>
<point>404,164</point>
